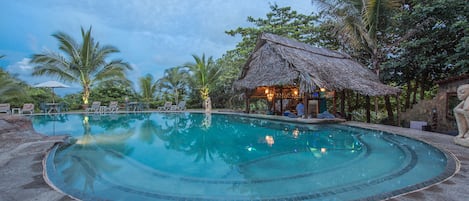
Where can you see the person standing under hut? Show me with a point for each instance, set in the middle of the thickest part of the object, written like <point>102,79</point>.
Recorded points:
<point>300,109</point>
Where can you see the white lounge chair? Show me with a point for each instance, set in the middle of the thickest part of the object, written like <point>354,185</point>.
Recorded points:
<point>28,108</point>
<point>181,105</point>
<point>95,107</point>
<point>5,108</point>
<point>166,106</point>
<point>113,106</point>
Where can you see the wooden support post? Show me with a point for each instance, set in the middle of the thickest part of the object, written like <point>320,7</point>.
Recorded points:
<point>248,96</point>
<point>305,103</point>
<point>398,108</point>
<point>334,103</point>
<point>368,109</point>
<point>342,103</point>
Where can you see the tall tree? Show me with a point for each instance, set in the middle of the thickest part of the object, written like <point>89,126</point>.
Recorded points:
<point>433,41</point>
<point>10,87</point>
<point>174,81</point>
<point>203,76</point>
<point>362,24</point>
<point>281,21</point>
<point>148,87</point>
<point>84,63</point>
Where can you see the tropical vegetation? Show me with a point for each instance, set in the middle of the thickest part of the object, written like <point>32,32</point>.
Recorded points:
<point>410,44</point>
<point>203,76</point>
<point>84,63</point>
<point>173,84</point>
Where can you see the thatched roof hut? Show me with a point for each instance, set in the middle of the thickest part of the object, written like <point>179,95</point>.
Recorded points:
<point>279,61</point>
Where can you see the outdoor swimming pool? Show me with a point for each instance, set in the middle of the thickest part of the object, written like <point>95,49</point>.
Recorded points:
<point>193,156</point>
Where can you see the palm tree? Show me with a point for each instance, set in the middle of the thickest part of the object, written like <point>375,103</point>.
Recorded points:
<point>174,80</point>
<point>362,24</point>
<point>148,87</point>
<point>84,63</point>
<point>10,87</point>
<point>204,74</point>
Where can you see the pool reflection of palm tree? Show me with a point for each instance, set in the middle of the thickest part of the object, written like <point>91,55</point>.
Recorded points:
<point>175,131</point>
<point>207,122</point>
<point>113,121</point>
<point>194,135</point>
<point>148,129</point>
<point>92,156</point>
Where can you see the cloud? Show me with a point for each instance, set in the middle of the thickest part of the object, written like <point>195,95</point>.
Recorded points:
<point>22,67</point>
<point>151,35</point>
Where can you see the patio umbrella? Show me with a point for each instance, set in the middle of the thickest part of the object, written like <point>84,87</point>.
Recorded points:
<point>52,85</point>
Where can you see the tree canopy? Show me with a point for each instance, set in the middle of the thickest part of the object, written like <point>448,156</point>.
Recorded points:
<point>84,63</point>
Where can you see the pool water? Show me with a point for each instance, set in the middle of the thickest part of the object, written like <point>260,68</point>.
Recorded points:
<point>194,156</point>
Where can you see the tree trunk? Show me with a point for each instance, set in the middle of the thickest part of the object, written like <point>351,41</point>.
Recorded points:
<point>389,109</point>
<point>408,93</point>
<point>208,104</point>
<point>357,101</point>
<point>422,90</point>
<point>414,98</point>
<point>86,94</point>
<point>368,109</point>
<point>398,103</point>
<point>176,94</point>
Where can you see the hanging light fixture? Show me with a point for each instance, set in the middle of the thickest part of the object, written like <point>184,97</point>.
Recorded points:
<point>322,89</point>
<point>270,96</point>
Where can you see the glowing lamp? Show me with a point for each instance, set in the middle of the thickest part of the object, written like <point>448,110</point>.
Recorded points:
<point>323,150</point>
<point>270,96</point>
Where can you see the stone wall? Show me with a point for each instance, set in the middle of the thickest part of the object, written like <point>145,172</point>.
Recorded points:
<point>424,110</point>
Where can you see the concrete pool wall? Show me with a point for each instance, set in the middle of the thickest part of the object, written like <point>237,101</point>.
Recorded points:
<point>22,151</point>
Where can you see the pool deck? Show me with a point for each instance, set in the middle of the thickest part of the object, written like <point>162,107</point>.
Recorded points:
<point>22,151</point>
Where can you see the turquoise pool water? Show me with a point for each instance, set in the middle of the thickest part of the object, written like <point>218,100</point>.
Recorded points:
<point>193,156</point>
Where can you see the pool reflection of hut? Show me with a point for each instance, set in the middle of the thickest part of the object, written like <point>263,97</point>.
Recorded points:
<point>282,68</point>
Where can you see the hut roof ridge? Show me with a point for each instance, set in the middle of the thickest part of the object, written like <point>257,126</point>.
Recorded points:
<point>302,46</point>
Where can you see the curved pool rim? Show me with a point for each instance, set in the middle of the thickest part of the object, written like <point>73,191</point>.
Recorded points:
<point>452,166</point>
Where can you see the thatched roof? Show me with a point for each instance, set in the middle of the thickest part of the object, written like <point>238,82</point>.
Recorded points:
<point>279,61</point>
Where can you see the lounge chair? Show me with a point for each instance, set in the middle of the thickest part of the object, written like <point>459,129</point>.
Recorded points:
<point>5,108</point>
<point>113,107</point>
<point>180,106</point>
<point>166,106</point>
<point>95,107</point>
<point>43,107</point>
<point>27,107</point>
<point>63,107</point>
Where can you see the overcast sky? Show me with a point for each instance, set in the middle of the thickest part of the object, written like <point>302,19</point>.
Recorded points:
<point>152,35</point>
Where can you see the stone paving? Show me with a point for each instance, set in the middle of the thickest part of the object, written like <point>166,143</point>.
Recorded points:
<point>22,151</point>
